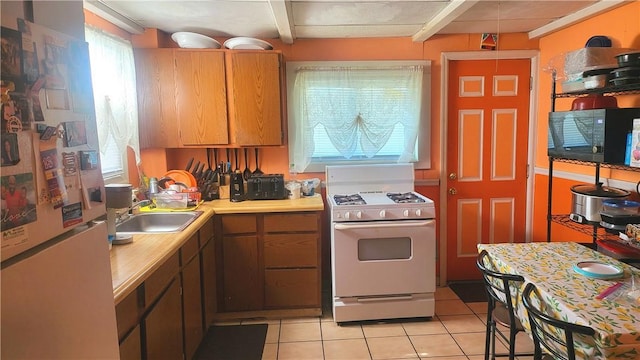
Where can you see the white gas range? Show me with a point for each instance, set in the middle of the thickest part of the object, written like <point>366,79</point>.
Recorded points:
<point>382,243</point>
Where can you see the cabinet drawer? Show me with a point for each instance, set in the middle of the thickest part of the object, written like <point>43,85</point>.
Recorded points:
<point>128,312</point>
<point>290,222</point>
<point>189,249</point>
<point>239,224</point>
<point>291,288</point>
<point>290,250</point>
<point>159,280</point>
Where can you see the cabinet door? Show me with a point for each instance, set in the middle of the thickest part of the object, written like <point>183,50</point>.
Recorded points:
<point>208,263</point>
<point>287,288</point>
<point>163,326</point>
<point>242,283</point>
<point>254,98</point>
<point>130,346</point>
<point>201,97</point>
<point>156,98</point>
<point>192,306</point>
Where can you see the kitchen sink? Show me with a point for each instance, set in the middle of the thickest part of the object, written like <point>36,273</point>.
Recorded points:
<point>157,222</point>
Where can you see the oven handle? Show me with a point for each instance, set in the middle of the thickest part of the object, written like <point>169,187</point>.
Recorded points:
<point>385,298</point>
<point>403,224</point>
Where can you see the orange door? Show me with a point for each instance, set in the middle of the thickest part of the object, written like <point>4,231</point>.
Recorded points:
<point>488,120</point>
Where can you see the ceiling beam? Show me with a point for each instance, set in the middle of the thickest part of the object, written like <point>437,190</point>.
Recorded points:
<point>281,10</point>
<point>443,18</point>
<point>104,11</point>
<point>580,15</point>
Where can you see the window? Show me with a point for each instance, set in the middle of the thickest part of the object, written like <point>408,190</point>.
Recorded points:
<point>114,90</point>
<point>358,112</point>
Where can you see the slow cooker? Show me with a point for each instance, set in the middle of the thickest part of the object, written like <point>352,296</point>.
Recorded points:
<point>586,201</point>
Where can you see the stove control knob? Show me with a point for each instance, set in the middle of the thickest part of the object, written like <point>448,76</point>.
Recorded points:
<point>359,214</point>
<point>418,212</point>
<point>383,214</point>
<point>405,213</point>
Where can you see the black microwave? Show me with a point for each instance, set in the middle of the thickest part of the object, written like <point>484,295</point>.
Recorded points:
<point>597,135</point>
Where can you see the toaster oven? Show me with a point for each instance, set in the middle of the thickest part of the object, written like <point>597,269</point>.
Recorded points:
<point>266,187</point>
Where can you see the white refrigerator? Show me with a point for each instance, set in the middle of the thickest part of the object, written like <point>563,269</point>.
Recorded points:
<point>56,287</point>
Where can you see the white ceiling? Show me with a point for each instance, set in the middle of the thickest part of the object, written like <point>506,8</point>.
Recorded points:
<point>289,20</point>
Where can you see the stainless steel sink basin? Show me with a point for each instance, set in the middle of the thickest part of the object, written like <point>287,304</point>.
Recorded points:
<point>157,222</point>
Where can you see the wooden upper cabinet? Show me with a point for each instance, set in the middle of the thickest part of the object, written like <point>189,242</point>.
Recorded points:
<point>201,97</point>
<point>156,98</point>
<point>205,97</point>
<point>253,95</point>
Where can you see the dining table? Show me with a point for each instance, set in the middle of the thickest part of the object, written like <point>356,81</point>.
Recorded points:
<point>576,294</point>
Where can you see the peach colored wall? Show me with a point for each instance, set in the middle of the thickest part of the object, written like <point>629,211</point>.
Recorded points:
<point>622,26</point>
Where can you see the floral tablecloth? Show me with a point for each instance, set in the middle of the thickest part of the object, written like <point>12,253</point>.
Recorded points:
<point>550,266</point>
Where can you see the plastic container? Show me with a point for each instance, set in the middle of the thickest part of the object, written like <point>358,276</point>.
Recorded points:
<point>294,188</point>
<point>590,58</point>
<point>171,200</point>
<point>309,186</point>
<point>595,81</point>
<point>621,207</point>
<point>573,85</point>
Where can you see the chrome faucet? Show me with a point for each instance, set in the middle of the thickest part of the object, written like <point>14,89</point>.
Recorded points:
<point>124,215</point>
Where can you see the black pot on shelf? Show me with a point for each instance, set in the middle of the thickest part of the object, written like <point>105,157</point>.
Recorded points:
<point>629,59</point>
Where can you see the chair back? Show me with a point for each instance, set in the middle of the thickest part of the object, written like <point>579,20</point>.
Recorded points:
<point>498,285</point>
<point>554,335</point>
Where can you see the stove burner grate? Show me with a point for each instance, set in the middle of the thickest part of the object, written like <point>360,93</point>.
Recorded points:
<point>354,199</point>
<point>403,198</point>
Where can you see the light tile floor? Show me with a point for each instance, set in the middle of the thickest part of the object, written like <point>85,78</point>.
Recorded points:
<point>457,332</point>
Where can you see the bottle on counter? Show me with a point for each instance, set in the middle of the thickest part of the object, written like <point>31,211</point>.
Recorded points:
<point>153,186</point>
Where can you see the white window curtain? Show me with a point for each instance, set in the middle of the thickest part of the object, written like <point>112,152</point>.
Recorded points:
<point>114,85</point>
<point>354,103</point>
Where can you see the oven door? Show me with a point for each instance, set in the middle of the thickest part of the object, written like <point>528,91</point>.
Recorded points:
<point>383,258</point>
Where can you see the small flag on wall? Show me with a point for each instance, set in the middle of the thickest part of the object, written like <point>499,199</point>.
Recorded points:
<point>489,41</point>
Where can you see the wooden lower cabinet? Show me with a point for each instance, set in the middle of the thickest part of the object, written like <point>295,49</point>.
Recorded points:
<point>166,317</point>
<point>268,261</point>
<point>128,313</point>
<point>191,296</point>
<point>131,346</point>
<point>289,288</point>
<point>242,285</point>
<point>208,264</point>
<point>163,326</point>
